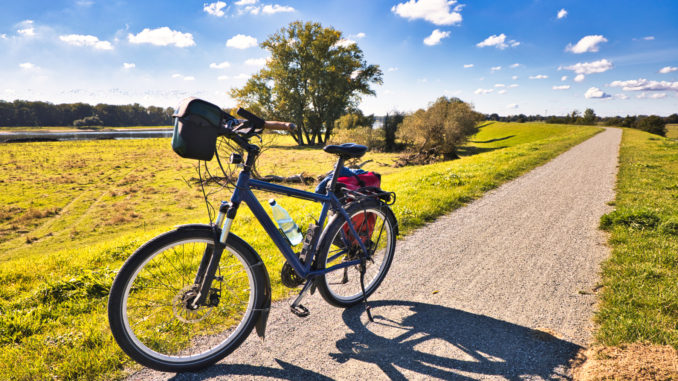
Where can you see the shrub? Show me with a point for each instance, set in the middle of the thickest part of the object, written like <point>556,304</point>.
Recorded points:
<point>442,127</point>
<point>652,124</point>
<point>373,139</point>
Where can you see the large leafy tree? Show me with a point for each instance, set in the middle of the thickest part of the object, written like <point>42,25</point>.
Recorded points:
<point>312,77</point>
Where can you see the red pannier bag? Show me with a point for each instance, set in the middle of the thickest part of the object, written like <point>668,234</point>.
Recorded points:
<point>363,222</point>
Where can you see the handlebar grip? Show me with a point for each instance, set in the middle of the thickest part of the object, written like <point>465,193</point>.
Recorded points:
<point>256,121</point>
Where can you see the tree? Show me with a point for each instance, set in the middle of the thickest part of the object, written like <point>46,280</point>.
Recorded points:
<point>652,124</point>
<point>589,116</point>
<point>391,124</point>
<point>88,121</point>
<point>312,78</point>
<point>442,127</point>
<point>353,120</point>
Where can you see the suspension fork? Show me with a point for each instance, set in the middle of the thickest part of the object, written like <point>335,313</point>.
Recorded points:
<point>212,256</point>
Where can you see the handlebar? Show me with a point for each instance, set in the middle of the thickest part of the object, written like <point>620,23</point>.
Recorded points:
<point>253,126</point>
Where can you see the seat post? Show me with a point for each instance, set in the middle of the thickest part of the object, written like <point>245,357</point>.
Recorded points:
<point>337,170</point>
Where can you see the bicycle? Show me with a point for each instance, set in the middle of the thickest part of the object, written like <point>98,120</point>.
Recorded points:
<point>189,297</point>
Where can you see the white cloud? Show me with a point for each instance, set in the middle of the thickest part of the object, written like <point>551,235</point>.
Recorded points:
<point>435,37</point>
<point>595,93</point>
<point>275,8</point>
<point>483,91</point>
<point>512,106</point>
<point>621,96</point>
<point>86,40</point>
<point>189,78</point>
<point>498,42</point>
<point>648,38</point>
<point>651,96</point>
<point>215,9</point>
<point>162,37</point>
<point>468,66</point>
<point>436,11</point>
<point>515,65</point>
<point>27,28</point>
<point>495,68</point>
<point>3,36</point>
<point>222,77</point>
<point>539,76</point>
<point>579,77</point>
<point>242,76</point>
<point>28,66</point>
<point>561,87</point>
<point>360,35</point>
<point>241,41</point>
<point>502,91</point>
<point>668,69</point>
<point>128,66</point>
<point>499,85</point>
<point>256,61</point>
<point>185,78</point>
<point>245,2</point>
<point>344,43</point>
<point>643,84</point>
<point>599,66</point>
<point>562,13</point>
<point>586,44</point>
<point>177,76</point>
<point>563,78</point>
<point>513,85</point>
<point>392,69</point>
<point>222,65</point>
<point>514,77</point>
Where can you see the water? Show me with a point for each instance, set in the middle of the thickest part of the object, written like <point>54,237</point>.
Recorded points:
<point>28,136</point>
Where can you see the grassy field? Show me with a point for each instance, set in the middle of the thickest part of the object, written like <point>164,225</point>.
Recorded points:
<point>72,212</point>
<point>672,131</point>
<point>640,297</point>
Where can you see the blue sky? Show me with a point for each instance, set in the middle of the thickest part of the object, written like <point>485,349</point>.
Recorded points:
<point>540,56</point>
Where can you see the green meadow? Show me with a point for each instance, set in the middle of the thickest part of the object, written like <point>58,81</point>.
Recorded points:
<point>72,212</point>
<point>639,302</point>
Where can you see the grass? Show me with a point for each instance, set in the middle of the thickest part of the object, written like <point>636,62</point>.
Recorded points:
<point>640,298</point>
<point>672,131</point>
<point>72,212</point>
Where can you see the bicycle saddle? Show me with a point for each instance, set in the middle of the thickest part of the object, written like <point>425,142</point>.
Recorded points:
<point>346,150</point>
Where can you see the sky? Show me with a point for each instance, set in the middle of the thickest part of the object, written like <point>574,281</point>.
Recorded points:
<point>506,57</point>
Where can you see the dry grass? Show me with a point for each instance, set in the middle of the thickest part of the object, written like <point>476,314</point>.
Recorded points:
<point>627,362</point>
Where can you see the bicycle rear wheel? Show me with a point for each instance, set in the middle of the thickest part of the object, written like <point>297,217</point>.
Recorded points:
<point>148,308</point>
<point>376,226</point>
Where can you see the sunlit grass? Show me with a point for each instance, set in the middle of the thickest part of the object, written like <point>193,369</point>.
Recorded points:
<point>640,294</point>
<point>72,212</point>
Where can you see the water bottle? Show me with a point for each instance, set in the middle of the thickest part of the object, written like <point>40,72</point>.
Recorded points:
<point>286,223</point>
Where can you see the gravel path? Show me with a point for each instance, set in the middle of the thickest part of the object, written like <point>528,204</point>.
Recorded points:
<point>503,288</point>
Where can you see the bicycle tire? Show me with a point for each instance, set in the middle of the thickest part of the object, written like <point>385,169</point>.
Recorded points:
<point>147,310</point>
<point>341,288</point>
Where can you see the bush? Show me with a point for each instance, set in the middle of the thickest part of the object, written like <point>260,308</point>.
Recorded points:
<point>652,124</point>
<point>88,121</point>
<point>442,127</point>
<point>373,139</point>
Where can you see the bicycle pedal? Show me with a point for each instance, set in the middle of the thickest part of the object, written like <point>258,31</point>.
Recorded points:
<point>300,310</point>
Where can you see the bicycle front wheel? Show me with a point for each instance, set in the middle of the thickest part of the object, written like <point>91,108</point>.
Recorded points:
<point>150,314</point>
<point>376,227</point>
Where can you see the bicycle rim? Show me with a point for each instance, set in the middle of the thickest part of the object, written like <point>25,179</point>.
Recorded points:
<point>155,313</point>
<point>344,284</point>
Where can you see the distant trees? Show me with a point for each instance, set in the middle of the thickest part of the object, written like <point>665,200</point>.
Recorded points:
<point>353,120</point>
<point>88,121</point>
<point>34,113</point>
<point>652,124</point>
<point>589,117</point>
<point>391,123</point>
<point>312,78</point>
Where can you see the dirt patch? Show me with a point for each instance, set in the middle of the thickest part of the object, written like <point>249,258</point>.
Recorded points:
<point>627,362</point>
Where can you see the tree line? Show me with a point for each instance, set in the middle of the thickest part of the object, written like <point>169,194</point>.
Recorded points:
<point>21,113</point>
<point>649,123</point>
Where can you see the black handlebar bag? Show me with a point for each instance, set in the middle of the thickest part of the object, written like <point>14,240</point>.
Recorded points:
<point>196,128</point>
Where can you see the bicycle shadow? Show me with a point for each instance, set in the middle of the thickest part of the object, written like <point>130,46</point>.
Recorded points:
<point>418,340</point>
<point>286,371</point>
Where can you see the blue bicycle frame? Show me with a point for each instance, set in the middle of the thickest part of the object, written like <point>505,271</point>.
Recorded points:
<point>243,193</point>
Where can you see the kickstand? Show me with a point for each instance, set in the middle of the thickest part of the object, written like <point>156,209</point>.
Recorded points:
<point>363,267</point>
<point>296,307</point>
